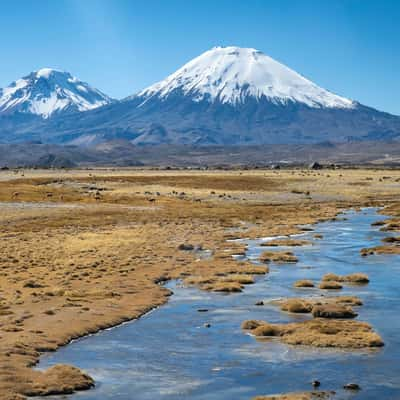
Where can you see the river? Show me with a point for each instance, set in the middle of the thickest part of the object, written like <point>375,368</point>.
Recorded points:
<point>171,354</point>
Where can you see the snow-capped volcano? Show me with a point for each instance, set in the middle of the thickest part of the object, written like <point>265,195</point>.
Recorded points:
<point>48,91</point>
<point>226,96</point>
<point>233,74</point>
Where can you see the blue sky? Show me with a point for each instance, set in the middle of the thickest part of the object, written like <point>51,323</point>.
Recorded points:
<point>351,47</point>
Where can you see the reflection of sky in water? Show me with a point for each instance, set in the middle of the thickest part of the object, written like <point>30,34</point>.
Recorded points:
<point>169,354</point>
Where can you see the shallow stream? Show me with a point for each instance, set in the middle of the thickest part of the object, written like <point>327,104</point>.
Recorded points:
<point>170,354</point>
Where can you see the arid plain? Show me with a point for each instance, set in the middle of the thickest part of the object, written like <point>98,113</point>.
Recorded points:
<point>82,250</point>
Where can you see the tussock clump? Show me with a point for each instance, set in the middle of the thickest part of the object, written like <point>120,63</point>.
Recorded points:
<point>391,239</point>
<point>254,270</point>
<point>339,304</point>
<point>357,277</point>
<point>267,330</point>
<point>199,280</point>
<point>59,379</point>
<point>286,242</point>
<point>379,223</point>
<point>366,252</point>
<point>240,278</point>
<point>227,287</point>
<point>385,249</point>
<point>331,277</point>
<point>296,306</point>
<point>391,227</point>
<point>304,283</point>
<point>333,311</point>
<point>321,332</point>
<point>222,281</point>
<point>330,285</point>
<point>349,300</point>
<point>278,257</point>
<point>251,324</point>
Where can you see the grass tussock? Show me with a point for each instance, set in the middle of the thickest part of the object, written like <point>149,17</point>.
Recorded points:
<point>297,306</point>
<point>59,379</point>
<point>226,287</point>
<point>243,279</point>
<point>333,311</point>
<point>321,332</point>
<point>330,285</point>
<point>388,249</point>
<point>349,300</point>
<point>357,277</point>
<point>304,283</point>
<point>286,242</point>
<point>391,239</point>
<point>323,307</point>
<point>279,257</point>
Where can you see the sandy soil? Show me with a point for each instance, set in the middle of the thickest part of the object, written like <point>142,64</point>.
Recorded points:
<point>84,250</point>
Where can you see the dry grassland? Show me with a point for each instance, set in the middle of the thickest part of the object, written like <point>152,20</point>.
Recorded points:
<point>84,250</point>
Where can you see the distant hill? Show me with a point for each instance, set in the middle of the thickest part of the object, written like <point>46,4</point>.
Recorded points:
<point>124,154</point>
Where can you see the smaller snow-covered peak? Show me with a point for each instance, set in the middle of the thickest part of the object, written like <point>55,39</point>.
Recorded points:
<point>233,74</point>
<point>50,91</point>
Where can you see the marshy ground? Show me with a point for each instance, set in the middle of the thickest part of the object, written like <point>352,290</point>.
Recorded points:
<point>83,250</point>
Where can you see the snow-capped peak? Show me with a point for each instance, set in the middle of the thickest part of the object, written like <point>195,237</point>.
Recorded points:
<point>49,91</point>
<point>46,72</point>
<point>232,74</point>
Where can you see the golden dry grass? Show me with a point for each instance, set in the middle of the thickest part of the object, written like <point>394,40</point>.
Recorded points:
<point>84,250</point>
<point>279,257</point>
<point>357,277</point>
<point>286,242</point>
<point>304,283</point>
<point>384,249</point>
<point>296,306</point>
<point>333,311</point>
<point>330,285</point>
<point>320,332</point>
<point>323,307</point>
